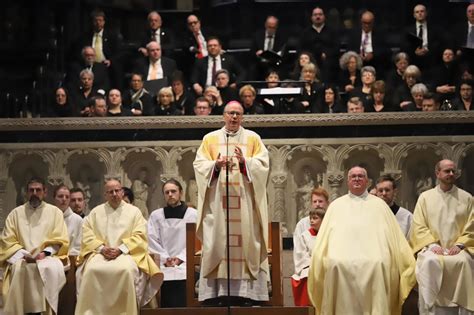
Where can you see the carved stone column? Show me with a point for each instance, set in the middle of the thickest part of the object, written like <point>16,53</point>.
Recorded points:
<point>335,180</point>
<point>279,213</point>
<point>56,180</point>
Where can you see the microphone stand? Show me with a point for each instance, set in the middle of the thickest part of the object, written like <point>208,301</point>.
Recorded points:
<point>228,222</point>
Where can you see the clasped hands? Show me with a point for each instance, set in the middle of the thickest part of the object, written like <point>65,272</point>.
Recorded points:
<point>31,259</point>
<point>110,253</point>
<point>438,250</point>
<point>227,161</point>
<point>173,261</point>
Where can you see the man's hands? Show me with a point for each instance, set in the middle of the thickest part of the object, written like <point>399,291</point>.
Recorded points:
<point>110,253</point>
<point>30,259</point>
<point>223,161</point>
<point>438,250</point>
<point>173,261</point>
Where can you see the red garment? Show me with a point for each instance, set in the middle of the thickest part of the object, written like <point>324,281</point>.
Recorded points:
<point>300,292</point>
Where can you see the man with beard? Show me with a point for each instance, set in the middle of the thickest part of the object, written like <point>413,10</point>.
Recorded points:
<point>443,236</point>
<point>32,245</point>
<point>167,238</point>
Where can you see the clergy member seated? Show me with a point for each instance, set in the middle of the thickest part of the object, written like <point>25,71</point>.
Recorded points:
<point>443,236</point>
<point>361,262</point>
<point>167,237</point>
<point>116,275</point>
<point>32,245</point>
<point>302,257</point>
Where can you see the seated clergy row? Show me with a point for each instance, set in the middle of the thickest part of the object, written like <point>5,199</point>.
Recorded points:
<point>368,266</point>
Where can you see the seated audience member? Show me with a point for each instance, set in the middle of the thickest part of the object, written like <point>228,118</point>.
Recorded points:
<point>128,195</point>
<point>446,76</point>
<point>380,102</point>
<point>62,106</point>
<point>73,221</point>
<point>205,69</point>
<point>215,99</point>
<point>312,97</point>
<point>167,238</point>
<point>394,77</point>
<point>364,92</point>
<point>85,92</point>
<point>386,189</point>
<point>116,275</point>
<point>442,237</point>
<point>271,104</point>
<point>350,77</point>
<point>195,41</point>
<point>155,32</point>
<point>34,242</point>
<point>227,92</point>
<point>430,102</point>
<point>355,105</point>
<point>303,58</point>
<point>417,92</point>
<point>247,96</point>
<point>464,100</point>
<point>202,107</point>
<point>114,104</point>
<point>78,202</point>
<point>183,96</point>
<point>402,96</point>
<point>302,256</point>
<point>332,101</point>
<point>155,66</point>
<point>137,99</point>
<point>289,103</point>
<point>100,70</point>
<point>164,106</point>
<point>98,107</point>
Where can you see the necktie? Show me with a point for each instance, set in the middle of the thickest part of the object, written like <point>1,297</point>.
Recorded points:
<point>364,44</point>
<point>99,57</point>
<point>420,31</point>
<point>470,38</point>
<point>214,69</point>
<point>199,55</point>
<point>154,72</point>
<point>269,45</point>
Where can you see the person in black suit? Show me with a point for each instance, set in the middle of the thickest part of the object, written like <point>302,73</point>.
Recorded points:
<point>157,33</point>
<point>247,96</point>
<point>107,46</point>
<point>268,39</point>
<point>100,70</point>
<point>137,99</point>
<point>155,66</point>
<point>464,38</point>
<point>322,41</point>
<point>369,42</point>
<point>465,99</point>
<point>205,68</point>
<point>423,56</point>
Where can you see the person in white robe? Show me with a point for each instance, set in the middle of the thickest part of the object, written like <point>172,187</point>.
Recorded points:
<point>33,252</point>
<point>243,153</point>
<point>167,238</point>
<point>361,262</point>
<point>386,189</point>
<point>443,236</point>
<point>116,275</point>
<point>73,221</point>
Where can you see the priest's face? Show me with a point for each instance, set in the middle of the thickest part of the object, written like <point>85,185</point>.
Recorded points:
<point>172,195</point>
<point>357,180</point>
<point>35,194</point>
<point>233,115</point>
<point>386,192</point>
<point>113,193</point>
<point>62,198</point>
<point>446,174</point>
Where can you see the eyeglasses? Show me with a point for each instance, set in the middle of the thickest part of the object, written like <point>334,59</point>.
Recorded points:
<point>193,22</point>
<point>114,191</point>
<point>238,114</point>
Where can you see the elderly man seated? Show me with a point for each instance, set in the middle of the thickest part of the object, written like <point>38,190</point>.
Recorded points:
<point>116,273</point>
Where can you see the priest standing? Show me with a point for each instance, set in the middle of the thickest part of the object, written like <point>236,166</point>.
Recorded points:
<point>244,154</point>
<point>361,262</point>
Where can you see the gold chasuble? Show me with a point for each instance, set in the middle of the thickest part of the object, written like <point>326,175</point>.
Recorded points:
<point>248,214</point>
<point>445,219</point>
<point>33,287</point>
<point>122,285</point>
<point>361,262</point>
